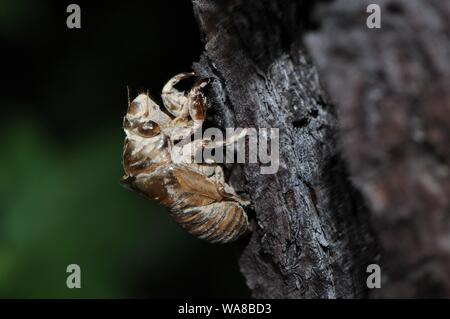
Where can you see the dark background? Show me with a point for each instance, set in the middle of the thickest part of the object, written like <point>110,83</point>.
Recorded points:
<point>63,95</point>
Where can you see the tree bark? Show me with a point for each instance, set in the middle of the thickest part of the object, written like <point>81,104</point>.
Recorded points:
<point>391,86</point>
<point>311,235</point>
<point>312,229</point>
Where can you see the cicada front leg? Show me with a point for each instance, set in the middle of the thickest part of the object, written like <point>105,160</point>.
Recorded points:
<point>175,100</point>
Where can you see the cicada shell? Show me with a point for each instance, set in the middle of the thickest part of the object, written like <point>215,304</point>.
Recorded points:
<point>196,195</point>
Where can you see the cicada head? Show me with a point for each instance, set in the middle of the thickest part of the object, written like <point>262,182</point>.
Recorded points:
<point>145,145</point>
<point>144,118</point>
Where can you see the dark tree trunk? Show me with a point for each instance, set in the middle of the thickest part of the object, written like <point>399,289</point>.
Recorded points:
<point>392,86</point>
<point>312,234</point>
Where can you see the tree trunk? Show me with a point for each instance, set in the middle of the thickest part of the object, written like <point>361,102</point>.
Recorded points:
<point>391,86</point>
<point>312,235</point>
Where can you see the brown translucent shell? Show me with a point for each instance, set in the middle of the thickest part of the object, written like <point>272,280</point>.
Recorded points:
<point>195,202</point>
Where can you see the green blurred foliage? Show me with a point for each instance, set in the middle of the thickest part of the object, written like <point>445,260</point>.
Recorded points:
<point>64,204</point>
<point>68,207</point>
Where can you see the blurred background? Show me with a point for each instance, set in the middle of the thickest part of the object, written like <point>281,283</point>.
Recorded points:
<point>63,95</point>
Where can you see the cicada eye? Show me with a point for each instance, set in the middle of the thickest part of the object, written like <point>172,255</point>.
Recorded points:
<point>149,129</point>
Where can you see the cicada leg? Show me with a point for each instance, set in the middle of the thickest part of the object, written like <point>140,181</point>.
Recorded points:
<point>174,100</point>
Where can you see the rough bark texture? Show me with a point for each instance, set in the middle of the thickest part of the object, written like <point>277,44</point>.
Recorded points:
<point>311,236</point>
<point>389,89</point>
<point>391,86</point>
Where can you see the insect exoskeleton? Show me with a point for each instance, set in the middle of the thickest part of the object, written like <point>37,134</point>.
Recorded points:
<point>196,194</point>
